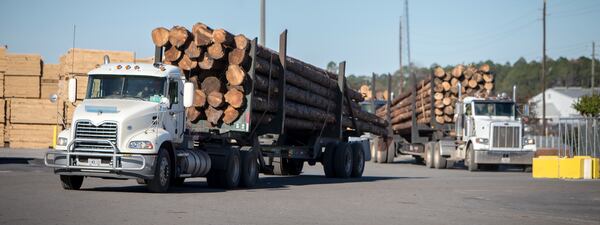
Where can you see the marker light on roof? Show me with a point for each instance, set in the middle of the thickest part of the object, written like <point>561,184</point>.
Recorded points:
<point>127,67</point>
<point>119,67</point>
<point>162,68</point>
<point>136,67</point>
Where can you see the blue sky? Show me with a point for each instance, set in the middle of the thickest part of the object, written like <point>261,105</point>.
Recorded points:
<point>364,33</point>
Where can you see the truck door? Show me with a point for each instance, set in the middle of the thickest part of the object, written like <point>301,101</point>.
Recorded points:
<point>176,111</point>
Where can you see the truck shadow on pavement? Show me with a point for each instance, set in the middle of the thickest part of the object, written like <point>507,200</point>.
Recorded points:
<point>266,183</point>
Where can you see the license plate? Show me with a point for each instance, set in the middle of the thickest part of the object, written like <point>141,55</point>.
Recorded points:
<point>505,160</point>
<point>94,162</point>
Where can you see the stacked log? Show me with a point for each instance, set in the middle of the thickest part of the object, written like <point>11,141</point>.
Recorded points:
<point>219,62</point>
<point>436,95</point>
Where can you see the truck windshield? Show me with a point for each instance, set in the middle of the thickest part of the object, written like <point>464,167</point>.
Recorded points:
<point>494,109</point>
<point>120,86</point>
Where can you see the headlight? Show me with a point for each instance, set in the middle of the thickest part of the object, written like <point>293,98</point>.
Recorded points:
<point>141,145</point>
<point>482,140</point>
<point>61,141</point>
<point>529,141</point>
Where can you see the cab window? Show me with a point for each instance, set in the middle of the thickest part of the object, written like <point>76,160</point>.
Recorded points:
<point>173,92</point>
<point>468,110</point>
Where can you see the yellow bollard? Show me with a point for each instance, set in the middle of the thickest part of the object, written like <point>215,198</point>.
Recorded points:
<point>54,134</point>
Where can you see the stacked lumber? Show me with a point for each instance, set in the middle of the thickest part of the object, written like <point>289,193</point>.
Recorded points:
<point>435,96</point>
<point>3,67</point>
<point>218,63</point>
<point>49,81</point>
<point>25,115</point>
<point>22,77</point>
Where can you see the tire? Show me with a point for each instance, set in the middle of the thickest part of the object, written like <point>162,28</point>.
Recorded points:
<point>358,160</point>
<point>328,160</point>
<point>391,152</point>
<point>470,160</point>
<point>439,162</point>
<point>373,148</point>
<point>343,160</point>
<point>71,182</point>
<point>429,146</point>
<point>162,173</point>
<point>381,151</point>
<point>249,169</point>
<point>293,166</point>
<point>230,177</point>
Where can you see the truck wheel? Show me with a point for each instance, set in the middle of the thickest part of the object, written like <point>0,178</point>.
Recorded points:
<point>391,152</point>
<point>429,146</point>
<point>343,160</point>
<point>249,169</point>
<point>71,182</point>
<point>358,160</point>
<point>328,158</point>
<point>162,173</point>
<point>231,175</point>
<point>381,151</point>
<point>294,166</point>
<point>470,160</point>
<point>373,147</point>
<point>439,162</point>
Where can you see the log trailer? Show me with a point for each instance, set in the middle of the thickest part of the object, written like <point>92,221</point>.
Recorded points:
<point>117,133</point>
<point>484,133</point>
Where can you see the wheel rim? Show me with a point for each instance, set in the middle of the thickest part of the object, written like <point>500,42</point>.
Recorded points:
<point>164,172</point>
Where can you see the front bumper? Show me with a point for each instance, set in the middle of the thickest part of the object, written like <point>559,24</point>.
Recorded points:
<point>106,164</point>
<point>503,157</point>
<point>123,166</point>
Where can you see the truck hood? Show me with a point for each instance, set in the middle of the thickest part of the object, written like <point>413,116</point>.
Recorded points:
<point>135,112</point>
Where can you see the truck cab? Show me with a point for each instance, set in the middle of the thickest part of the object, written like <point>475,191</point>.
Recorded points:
<point>130,125</point>
<point>489,132</point>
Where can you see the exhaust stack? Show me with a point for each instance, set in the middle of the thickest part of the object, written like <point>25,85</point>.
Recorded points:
<point>106,59</point>
<point>158,54</point>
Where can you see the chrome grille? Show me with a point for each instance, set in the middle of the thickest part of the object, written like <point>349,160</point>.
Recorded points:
<point>85,130</point>
<point>506,137</point>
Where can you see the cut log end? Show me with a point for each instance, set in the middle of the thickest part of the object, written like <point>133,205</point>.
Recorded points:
<point>178,36</point>
<point>216,51</point>
<point>235,75</point>
<point>160,36</point>
<point>215,99</point>
<point>241,42</point>
<point>234,97</point>
<point>230,115</point>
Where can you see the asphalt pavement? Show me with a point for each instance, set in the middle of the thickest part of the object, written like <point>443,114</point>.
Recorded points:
<point>398,193</point>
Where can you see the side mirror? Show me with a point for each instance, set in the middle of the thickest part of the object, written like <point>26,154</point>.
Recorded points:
<point>72,90</point>
<point>188,94</point>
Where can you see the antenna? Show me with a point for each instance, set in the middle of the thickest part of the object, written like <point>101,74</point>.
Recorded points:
<point>73,50</point>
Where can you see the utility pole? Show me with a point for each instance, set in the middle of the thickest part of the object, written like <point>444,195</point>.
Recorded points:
<point>544,70</point>
<point>262,23</point>
<point>400,55</point>
<point>593,66</point>
<point>410,72</point>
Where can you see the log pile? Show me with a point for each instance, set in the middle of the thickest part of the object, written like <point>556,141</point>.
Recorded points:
<point>218,63</point>
<point>436,95</point>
